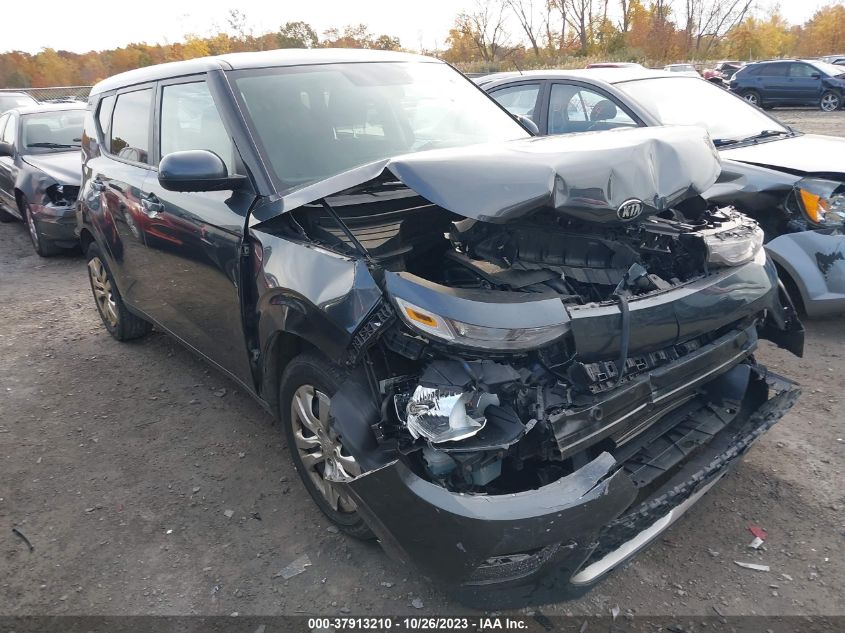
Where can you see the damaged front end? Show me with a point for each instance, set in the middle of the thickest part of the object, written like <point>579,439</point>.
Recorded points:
<point>548,373</point>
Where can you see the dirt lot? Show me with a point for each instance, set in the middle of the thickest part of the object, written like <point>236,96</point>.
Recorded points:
<point>119,462</point>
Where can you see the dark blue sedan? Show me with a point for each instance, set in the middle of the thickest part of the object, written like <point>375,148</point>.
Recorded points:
<point>791,82</point>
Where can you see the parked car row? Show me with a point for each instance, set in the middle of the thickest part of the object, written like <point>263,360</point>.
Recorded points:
<point>513,360</point>
<point>769,84</point>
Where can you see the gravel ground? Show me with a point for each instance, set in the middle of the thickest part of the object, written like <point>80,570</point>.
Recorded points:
<point>122,462</point>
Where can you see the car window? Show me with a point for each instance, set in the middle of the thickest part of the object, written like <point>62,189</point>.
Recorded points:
<point>520,99</point>
<point>10,131</point>
<point>577,109</point>
<point>190,120</point>
<point>129,136</point>
<point>773,70</point>
<point>3,120</point>
<point>51,131</point>
<point>802,70</point>
<point>104,115</point>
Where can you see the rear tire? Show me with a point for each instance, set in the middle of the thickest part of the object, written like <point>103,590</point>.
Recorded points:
<point>305,393</point>
<point>119,321</point>
<point>42,246</point>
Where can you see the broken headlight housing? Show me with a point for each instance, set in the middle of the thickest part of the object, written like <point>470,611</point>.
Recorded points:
<point>477,336</point>
<point>822,201</point>
<point>732,242</point>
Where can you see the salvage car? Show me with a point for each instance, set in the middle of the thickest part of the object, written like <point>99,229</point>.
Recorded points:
<point>514,360</point>
<point>40,172</point>
<point>793,184</point>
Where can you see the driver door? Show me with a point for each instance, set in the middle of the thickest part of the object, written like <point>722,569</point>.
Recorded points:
<point>578,108</point>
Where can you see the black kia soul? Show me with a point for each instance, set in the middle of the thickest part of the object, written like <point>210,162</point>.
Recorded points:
<point>514,360</point>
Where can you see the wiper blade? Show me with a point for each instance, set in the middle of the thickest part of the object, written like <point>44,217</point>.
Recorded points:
<point>51,145</point>
<point>765,134</point>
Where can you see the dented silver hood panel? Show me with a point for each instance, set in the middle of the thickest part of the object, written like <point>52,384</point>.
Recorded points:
<point>590,175</point>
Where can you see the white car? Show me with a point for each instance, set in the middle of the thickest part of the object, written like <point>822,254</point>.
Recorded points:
<point>687,70</point>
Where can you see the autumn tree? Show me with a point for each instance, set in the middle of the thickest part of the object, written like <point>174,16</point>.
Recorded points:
<point>706,22</point>
<point>824,33</point>
<point>297,35</point>
<point>359,36</point>
<point>524,11</point>
<point>485,28</point>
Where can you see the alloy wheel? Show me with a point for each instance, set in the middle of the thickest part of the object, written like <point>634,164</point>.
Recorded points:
<point>830,102</point>
<point>752,98</point>
<point>322,454</point>
<point>103,293</point>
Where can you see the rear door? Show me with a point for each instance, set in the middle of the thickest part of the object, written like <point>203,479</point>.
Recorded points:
<point>774,82</point>
<point>192,265</point>
<point>114,186</point>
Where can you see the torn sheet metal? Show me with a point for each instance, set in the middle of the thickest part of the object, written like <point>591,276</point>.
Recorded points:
<point>591,175</point>
<point>815,261</point>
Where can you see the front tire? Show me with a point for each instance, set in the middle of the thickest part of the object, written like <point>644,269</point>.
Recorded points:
<point>42,246</point>
<point>305,393</point>
<point>753,97</point>
<point>830,101</point>
<point>119,321</point>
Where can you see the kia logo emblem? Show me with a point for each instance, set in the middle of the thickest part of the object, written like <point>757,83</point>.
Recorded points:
<point>630,209</point>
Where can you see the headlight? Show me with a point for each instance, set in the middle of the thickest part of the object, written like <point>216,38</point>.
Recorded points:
<point>734,246</point>
<point>822,201</point>
<point>478,336</point>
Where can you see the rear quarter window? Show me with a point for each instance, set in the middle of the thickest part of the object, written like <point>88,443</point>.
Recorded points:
<point>129,134</point>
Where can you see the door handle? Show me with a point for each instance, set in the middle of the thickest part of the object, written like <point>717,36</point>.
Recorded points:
<point>151,205</point>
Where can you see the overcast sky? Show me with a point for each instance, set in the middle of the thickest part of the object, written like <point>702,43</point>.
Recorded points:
<point>66,24</point>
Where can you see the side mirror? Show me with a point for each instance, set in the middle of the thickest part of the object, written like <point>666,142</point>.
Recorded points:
<point>816,75</point>
<point>528,124</point>
<point>7,149</point>
<point>196,170</point>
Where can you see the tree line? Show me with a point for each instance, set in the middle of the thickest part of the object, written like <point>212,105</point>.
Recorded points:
<point>493,35</point>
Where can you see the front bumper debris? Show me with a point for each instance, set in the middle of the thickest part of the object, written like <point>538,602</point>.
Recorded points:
<point>56,223</point>
<point>546,544</point>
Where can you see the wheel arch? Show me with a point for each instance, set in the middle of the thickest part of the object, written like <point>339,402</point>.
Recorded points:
<point>85,239</point>
<point>280,348</point>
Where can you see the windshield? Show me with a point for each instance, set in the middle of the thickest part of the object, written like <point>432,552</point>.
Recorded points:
<point>313,122</point>
<point>831,70</point>
<point>681,68</point>
<point>702,103</point>
<point>51,131</point>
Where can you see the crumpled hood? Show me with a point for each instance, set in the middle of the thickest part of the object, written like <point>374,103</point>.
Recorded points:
<point>805,154</point>
<point>585,175</point>
<point>63,167</point>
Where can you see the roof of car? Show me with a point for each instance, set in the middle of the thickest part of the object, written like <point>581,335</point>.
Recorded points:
<point>261,59</point>
<point>608,75</point>
<point>14,93</point>
<point>48,107</point>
